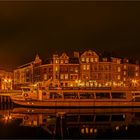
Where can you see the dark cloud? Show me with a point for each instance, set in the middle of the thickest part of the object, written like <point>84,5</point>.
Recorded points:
<point>27,28</point>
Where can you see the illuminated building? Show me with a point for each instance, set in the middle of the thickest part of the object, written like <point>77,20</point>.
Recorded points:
<point>86,69</point>
<point>6,80</point>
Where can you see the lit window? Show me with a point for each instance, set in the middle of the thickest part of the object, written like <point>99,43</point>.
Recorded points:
<point>87,67</point>
<point>83,59</point>
<point>66,61</point>
<point>66,76</point>
<point>56,68</point>
<point>124,79</point>
<point>56,61</point>
<point>118,61</point>
<point>84,67</point>
<point>76,70</point>
<point>45,76</point>
<point>82,130</point>
<point>119,77</point>
<point>124,72</point>
<point>124,66</point>
<point>87,84</point>
<point>87,60</point>
<point>137,74</point>
<point>96,59</point>
<point>119,69</point>
<point>91,59</point>
<point>62,76</point>
<point>61,61</point>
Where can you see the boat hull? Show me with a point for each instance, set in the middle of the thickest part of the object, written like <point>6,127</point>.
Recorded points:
<point>77,103</point>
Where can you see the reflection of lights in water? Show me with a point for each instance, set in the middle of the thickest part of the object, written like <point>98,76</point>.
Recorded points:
<point>91,130</point>
<point>95,130</point>
<point>87,130</point>
<point>117,128</point>
<point>126,128</point>
<point>82,130</point>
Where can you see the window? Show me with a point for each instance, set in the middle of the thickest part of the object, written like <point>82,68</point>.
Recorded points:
<point>87,67</point>
<point>84,67</point>
<point>76,70</point>
<point>91,59</point>
<point>118,61</point>
<point>117,95</point>
<point>62,76</point>
<point>119,69</point>
<point>87,60</point>
<point>119,77</point>
<point>83,59</point>
<point>61,61</point>
<point>66,76</point>
<point>124,66</point>
<point>96,59</point>
<point>124,72</point>
<point>45,76</point>
<point>56,61</point>
<point>102,95</point>
<point>66,61</point>
<point>56,68</point>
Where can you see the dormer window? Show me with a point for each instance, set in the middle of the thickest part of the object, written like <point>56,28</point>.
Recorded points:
<point>87,60</point>
<point>62,62</point>
<point>56,61</point>
<point>83,59</point>
<point>96,59</point>
<point>91,59</point>
<point>66,61</point>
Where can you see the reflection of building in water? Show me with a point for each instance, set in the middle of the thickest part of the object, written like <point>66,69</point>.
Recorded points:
<point>84,122</point>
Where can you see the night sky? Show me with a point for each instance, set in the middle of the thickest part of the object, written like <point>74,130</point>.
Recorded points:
<point>27,28</point>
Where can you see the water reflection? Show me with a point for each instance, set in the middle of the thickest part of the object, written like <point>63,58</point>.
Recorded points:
<point>77,123</point>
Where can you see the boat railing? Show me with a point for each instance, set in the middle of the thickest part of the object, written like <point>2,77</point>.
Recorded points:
<point>80,88</point>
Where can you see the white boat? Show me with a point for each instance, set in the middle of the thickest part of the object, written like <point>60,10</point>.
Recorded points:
<point>78,97</point>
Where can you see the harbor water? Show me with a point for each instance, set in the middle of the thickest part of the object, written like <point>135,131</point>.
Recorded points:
<point>51,123</point>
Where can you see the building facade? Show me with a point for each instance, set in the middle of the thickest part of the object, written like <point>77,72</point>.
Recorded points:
<point>6,80</point>
<point>86,69</point>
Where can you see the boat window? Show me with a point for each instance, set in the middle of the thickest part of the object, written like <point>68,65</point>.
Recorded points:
<point>118,95</point>
<point>86,95</point>
<point>86,118</point>
<point>102,118</point>
<point>137,99</point>
<point>71,95</point>
<point>73,118</point>
<point>118,117</point>
<point>102,95</point>
<point>54,95</point>
<point>25,89</point>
